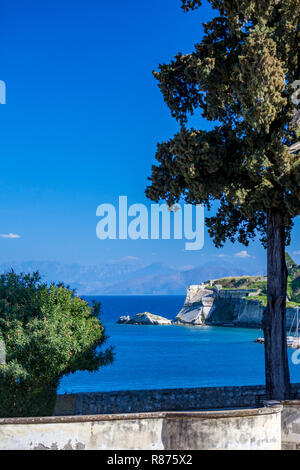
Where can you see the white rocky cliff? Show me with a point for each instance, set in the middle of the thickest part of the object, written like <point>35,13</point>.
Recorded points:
<point>216,306</point>
<point>212,304</point>
<point>145,318</point>
<point>198,305</point>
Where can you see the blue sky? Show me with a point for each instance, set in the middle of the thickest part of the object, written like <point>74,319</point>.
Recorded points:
<point>81,123</point>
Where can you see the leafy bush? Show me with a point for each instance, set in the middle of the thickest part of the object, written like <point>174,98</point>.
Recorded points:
<point>293,268</point>
<point>243,282</point>
<point>295,284</point>
<point>263,299</point>
<point>48,333</point>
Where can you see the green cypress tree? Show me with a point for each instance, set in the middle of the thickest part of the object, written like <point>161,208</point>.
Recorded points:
<point>242,76</point>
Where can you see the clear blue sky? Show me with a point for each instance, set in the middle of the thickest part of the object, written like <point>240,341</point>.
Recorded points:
<point>81,123</point>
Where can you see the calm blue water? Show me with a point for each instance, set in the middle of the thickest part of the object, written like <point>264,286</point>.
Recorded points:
<point>150,357</point>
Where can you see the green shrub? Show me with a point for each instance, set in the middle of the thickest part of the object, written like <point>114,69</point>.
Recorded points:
<point>295,284</point>
<point>48,333</point>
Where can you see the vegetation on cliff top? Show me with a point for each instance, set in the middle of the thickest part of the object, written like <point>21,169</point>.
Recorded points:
<point>259,283</point>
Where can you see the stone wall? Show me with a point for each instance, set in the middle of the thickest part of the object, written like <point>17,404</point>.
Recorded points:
<point>291,425</point>
<point>245,427</point>
<point>141,401</point>
<point>255,429</point>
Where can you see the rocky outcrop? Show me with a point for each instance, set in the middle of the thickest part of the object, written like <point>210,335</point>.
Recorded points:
<point>228,307</point>
<point>248,312</point>
<point>198,305</point>
<point>124,319</point>
<point>213,305</point>
<point>145,318</point>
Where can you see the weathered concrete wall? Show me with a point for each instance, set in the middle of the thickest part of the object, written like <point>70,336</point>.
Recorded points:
<point>255,429</point>
<point>290,431</point>
<point>184,399</point>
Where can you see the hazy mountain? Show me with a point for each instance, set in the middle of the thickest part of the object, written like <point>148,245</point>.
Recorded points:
<point>85,279</point>
<point>129,276</point>
<point>175,282</point>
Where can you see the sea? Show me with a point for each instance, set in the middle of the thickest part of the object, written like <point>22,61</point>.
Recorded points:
<point>160,357</point>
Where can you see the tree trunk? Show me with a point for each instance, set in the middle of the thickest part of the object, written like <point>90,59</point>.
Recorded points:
<point>276,358</point>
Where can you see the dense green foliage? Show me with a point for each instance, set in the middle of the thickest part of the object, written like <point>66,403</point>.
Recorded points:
<point>292,266</point>
<point>48,332</point>
<point>242,282</point>
<point>294,283</point>
<point>241,76</point>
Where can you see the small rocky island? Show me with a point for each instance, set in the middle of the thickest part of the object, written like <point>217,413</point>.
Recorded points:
<point>145,318</point>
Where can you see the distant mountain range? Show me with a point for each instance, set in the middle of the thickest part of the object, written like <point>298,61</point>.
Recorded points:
<point>129,276</point>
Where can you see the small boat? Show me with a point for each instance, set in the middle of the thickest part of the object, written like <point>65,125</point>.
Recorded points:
<point>294,341</point>
<point>259,340</point>
<point>290,339</point>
